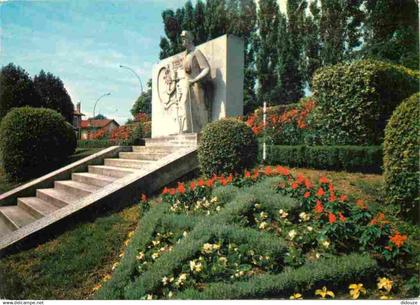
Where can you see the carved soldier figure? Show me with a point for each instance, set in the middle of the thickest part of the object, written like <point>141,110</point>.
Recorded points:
<point>193,99</point>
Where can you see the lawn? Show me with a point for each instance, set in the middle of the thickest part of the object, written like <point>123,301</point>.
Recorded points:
<point>168,241</point>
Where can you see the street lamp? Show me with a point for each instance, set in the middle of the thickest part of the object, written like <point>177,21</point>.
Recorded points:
<point>138,77</point>
<point>94,107</point>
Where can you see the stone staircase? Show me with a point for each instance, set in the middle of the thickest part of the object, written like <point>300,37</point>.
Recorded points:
<point>118,180</point>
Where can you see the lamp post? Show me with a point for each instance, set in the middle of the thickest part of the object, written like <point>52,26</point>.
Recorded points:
<point>134,72</point>
<point>103,95</point>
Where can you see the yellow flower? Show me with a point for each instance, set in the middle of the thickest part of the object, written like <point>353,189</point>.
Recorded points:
<point>384,283</point>
<point>326,243</point>
<point>292,234</point>
<point>324,292</point>
<point>196,267</point>
<point>140,256</point>
<point>356,289</point>
<point>385,297</point>
<point>283,214</point>
<point>263,225</point>
<point>296,296</point>
<point>263,215</point>
<point>155,242</point>
<point>149,297</point>
<point>181,279</point>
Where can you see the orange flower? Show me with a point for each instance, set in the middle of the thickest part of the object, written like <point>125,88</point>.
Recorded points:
<point>306,195</point>
<point>342,217</point>
<point>320,192</point>
<point>165,190</point>
<point>247,174</point>
<point>229,178</point>
<point>300,179</point>
<point>181,188</point>
<point>223,181</point>
<point>256,174</point>
<point>332,197</point>
<point>200,182</point>
<point>172,192</point>
<point>323,180</point>
<point>332,218</point>
<point>192,185</point>
<point>210,182</point>
<point>361,204</point>
<point>267,170</point>
<point>398,240</point>
<point>378,219</point>
<point>143,198</point>
<point>294,185</point>
<point>331,187</point>
<point>319,208</point>
<point>343,198</point>
<point>308,184</point>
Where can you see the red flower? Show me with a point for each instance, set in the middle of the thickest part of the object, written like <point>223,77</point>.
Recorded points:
<point>143,198</point>
<point>300,179</point>
<point>332,197</point>
<point>200,182</point>
<point>181,188</point>
<point>319,208</point>
<point>306,195</point>
<point>320,192</point>
<point>308,184</point>
<point>342,218</point>
<point>343,198</point>
<point>247,174</point>
<point>331,187</point>
<point>398,240</point>
<point>256,174</point>
<point>192,185</point>
<point>165,191</point>
<point>332,218</point>
<point>294,185</point>
<point>323,180</point>
<point>229,178</point>
<point>210,182</point>
<point>223,181</point>
<point>172,192</point>
<point>361,204</point>
<point>267,170</point>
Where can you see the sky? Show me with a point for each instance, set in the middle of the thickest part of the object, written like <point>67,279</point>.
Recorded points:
<point>84,42</point>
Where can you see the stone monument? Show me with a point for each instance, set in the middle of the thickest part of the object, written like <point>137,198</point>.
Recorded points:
<point>201,84</point>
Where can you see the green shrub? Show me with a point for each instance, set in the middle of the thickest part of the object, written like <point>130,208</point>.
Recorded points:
<point>355,100</point>
<point>401,159</point>
<point>367,159</point>
<point>94,143</point>
<point>227,146</point>
<point>34,141</point>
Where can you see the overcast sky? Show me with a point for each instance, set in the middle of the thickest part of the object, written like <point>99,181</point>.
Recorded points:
<point>84,42</point>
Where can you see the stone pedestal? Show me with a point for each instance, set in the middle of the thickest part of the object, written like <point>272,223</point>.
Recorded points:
<point>225,56</point>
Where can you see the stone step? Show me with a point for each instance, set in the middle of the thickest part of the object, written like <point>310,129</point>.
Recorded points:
<point>5,228</point>
<point>79,189</point>
<point>128,163</point>
<point>111,171</point>
<point>59,198</point>
<point>93,179</point>
<point>171,142</point>
<point>156,149</point>
<point>36,207</point>
<point>143,155</point>
<point>15,216</point>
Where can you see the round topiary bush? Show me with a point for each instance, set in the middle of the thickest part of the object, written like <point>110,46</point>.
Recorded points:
<point>227,146</point>
<point>34,141</point>
<point>401,157</point>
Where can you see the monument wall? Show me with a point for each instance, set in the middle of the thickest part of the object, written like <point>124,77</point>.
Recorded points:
<point>225,56</point>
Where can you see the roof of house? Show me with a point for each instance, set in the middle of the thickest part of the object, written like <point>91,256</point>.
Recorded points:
<point>97,123</point>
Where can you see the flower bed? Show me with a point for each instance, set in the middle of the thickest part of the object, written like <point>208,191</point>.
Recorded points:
<point>264,234</point>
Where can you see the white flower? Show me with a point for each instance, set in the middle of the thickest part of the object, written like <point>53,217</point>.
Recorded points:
<point>304,217</point>
<point>207,248</point>
<point>196,267</point>
<point>223,260</point>
<point>155,255</point>
<point>263,215</point>
<point>140,256</point>
<point>165,280</point>
<point>309,228</point>
<point>181,279</point>
<point>326,243</point>
<point>185,234</point>
<point>155,242</point>
<point>257,205</point>
<point>170,294</point>
<point>150,296</point>
<point>218,208</point>
<point>283,214</point>
<point>263,225</point>
<point>214,199</point>
<point>292,234</point>
<point>317,255</point>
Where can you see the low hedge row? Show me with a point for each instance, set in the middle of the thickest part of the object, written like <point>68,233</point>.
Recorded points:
<point>94,143</point>
<point>367,159</point>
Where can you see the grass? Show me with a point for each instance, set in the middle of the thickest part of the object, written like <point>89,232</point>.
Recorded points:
<point>71,265</point>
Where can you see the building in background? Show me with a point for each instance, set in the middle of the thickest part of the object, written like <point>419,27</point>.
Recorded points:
<point>91,127</point>
<point>77,120</point>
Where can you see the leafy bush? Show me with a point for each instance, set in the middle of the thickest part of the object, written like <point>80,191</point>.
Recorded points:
<point>94,143</point>
<point>367,159</point>
<point>34,141</point>
<point>401,157</point>
<point>16,89</point>
<point>355,100</point>
<point>226,146</point>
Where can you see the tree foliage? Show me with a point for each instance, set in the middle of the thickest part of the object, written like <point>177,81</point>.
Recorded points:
<point>54,95</point>
<point>143,102</point>
<point>16,89</point>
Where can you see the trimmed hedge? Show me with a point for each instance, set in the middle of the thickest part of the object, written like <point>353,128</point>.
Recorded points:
<point>227,146</point>
<point>34,141</point>
<point>367,159</point>
<point>355,100</point>
<point>94,143</point>
<point>401,157</point>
